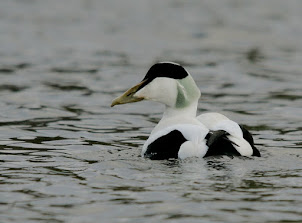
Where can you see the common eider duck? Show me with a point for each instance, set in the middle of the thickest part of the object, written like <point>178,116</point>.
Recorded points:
<point>180,134</point>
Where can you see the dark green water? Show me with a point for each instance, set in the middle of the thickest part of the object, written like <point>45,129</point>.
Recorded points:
<point>66,156</point>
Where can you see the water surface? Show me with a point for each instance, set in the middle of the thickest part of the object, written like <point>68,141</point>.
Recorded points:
<point>66,156</point>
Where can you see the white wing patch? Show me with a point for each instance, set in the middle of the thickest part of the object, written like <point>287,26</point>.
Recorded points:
<point>216,121</point>
<point>241,145</point>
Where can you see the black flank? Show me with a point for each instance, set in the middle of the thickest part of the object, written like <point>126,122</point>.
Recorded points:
<point>166,146</point>
<point>168,70</point>
<point>249,138</point>
<point>219,144</point>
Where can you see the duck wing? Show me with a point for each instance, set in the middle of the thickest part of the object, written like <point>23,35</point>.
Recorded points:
<point>220,144</point>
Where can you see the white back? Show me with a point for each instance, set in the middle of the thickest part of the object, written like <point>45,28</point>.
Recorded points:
<point>217,121</point>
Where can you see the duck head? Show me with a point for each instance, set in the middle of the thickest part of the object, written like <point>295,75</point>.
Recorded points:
<point>166,82</point>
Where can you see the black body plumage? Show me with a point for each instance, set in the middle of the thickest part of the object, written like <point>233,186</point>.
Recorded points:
<point>166,146</point>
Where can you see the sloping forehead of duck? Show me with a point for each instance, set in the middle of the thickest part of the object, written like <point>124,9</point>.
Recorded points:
<point>169,70</point>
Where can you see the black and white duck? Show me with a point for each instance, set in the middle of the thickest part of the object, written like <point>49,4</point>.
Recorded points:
<point>180,133</point>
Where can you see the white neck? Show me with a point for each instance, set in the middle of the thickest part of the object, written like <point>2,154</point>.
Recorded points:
<point>188,111</point>
<point>174,115</point>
